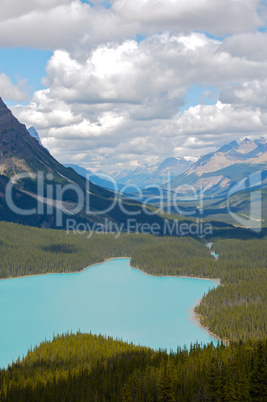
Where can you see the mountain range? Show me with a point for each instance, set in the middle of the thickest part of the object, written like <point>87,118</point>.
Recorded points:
<point>225,175</point>
<point>215,173</point>
<point>35,189</point>
<point>145,175</point>
<point>108,183</point>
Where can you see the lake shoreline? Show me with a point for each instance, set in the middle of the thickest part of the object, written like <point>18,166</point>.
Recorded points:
<point>62,273</point>
<point>109,259</point>
<point>193,315</point>
<point>178,276</point>
<point>197,319</point>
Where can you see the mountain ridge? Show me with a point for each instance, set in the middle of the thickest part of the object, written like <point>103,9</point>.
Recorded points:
<point>24,160</point>
<point>157,174</point>
<point>216,171</point>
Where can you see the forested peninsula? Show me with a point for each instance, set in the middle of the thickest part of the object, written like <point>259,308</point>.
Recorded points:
<point>85,367</point>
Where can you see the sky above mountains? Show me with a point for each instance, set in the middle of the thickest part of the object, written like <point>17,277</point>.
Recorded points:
<point>119,83</point>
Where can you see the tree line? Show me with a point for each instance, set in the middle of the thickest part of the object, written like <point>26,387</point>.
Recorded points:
<point>86,367</point>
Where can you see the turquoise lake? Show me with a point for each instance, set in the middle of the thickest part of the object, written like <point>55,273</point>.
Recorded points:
<point>109,298</point>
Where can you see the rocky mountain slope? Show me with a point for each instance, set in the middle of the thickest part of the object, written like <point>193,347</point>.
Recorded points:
<point>35,189</point>
<point>217,172</point>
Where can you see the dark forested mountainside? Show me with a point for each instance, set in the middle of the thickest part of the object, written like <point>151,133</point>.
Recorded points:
<point>85,367</point>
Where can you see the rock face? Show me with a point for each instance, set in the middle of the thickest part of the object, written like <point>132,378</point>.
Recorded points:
<point>218,171</point>
<point>19,152</point>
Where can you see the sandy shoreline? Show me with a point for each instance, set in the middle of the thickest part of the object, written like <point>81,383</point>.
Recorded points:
<point>62,273</point>
<point>194,316</point>
<point>197,317</point>
<point>179,276</point>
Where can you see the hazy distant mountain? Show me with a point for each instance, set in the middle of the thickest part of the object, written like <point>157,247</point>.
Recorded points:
<point>35,135</point>
<point>220,170</point>
<point>157,174</point>
<point>138,176</point>
<point>169,168</point>
<point>109,184</point>
<point>78,169</point>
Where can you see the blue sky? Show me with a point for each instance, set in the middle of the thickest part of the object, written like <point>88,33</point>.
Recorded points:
<point>115,84</point>
<point>198,94</point>
<point>105,4</point>
<point>23,63</point>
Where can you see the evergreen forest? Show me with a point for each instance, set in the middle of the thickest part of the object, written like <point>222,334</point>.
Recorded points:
<point>86,367</point>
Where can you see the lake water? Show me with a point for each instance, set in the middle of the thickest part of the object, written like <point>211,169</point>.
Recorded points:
<point>109,298</point>
<point>214,254</point>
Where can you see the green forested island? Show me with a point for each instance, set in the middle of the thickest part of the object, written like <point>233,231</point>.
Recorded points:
<point>85,367</point>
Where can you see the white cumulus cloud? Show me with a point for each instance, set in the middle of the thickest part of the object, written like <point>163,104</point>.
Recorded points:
<point>12,92</point>
<point>62,23</point>
<point>112,99</point>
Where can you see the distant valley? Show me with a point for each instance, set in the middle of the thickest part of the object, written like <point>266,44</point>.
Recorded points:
<point>213,174</point>
<point>222,180</point>
<point>142,176</point>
